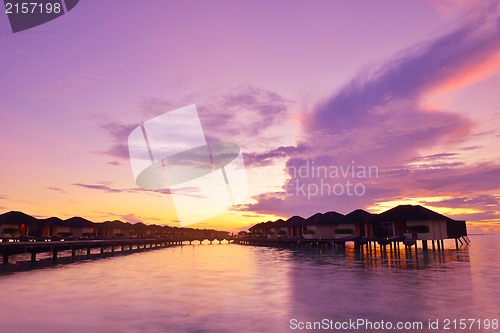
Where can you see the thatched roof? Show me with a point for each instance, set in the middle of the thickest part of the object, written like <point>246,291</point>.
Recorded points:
<point>15,217</point>
<point>410,213</point>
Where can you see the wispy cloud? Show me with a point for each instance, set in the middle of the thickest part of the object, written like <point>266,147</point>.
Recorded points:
<point>477,178</point>
<point>130,217</point>
<point>119,134</point>
<point>244,114</point>
<point>56,189</point>
<point>185,191</point>
<point>472,202</point>
<point>435,157</point>
<point>269,157</point>
<point>99,187</point>
<point>108,189</point>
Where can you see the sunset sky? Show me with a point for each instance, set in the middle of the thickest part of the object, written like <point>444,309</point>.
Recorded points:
<point>409,87</point>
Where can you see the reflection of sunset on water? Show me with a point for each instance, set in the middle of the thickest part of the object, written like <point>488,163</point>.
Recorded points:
<point>228,288</point>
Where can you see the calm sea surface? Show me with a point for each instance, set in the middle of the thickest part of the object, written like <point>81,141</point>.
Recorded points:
<point>234,288</point>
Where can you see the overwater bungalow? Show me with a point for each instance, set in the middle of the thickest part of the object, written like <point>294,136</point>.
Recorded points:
<point>418,222</point>
<point>358,223</point>
<point>76,227</point>
<point>115,229</point>
<point>295,226</point>
<point>16,225</point>
<point>50,226</point>
<point>321,225</point>
<point>401,223</point>
<point>266,229</point>
<point>279,228</point>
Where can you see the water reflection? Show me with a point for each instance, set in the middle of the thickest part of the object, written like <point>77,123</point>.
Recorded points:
<point>434,285</point>
<point>232,288</point>
<point>391,260</point>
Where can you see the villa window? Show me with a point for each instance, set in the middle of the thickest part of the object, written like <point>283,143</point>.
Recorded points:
<point>421,229</point>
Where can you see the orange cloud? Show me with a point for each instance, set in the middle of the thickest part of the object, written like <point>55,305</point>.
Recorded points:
<point>467,75</point>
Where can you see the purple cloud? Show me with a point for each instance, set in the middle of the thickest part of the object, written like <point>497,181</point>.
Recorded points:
<point>108,189</point>
<point>242,116</point>
<point>379,113</point>
<point>378,119</point>
<point>435,157</point>
<point>477,178</point>
<point>268,158</point>
<point>56,189</point>
<point>118,150</point>
<point>104,188</point>
<point>472,202</point>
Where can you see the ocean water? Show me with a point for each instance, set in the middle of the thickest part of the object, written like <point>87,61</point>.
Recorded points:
<point>236,288</point>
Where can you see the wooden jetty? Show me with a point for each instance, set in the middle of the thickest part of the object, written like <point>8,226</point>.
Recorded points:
<point>363,244</point>
<point>77,247</point>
